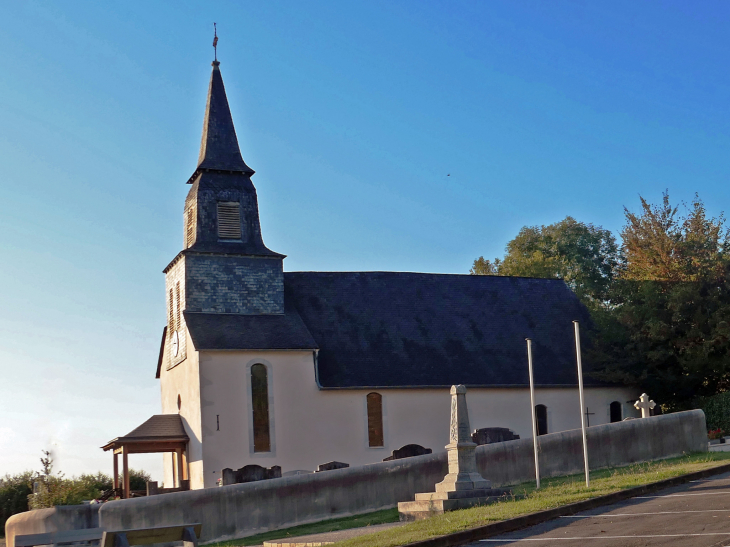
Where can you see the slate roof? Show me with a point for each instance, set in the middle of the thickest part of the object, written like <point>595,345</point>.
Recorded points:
<point>219,145</point>
<point>160,427</point>
<point>212,331</point>
<point>391,329</point>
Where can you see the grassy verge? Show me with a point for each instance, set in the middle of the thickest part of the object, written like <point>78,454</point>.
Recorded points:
<point>332,525</point>
<point>554,493</point>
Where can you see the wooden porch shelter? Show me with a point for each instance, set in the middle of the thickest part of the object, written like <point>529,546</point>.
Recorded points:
<point>161,433</point>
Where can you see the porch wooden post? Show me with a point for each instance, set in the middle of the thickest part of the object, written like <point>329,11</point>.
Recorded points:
<point>125,472</point>
<point>116,470</point>
<point>178,453</point>
<point>185,465</point>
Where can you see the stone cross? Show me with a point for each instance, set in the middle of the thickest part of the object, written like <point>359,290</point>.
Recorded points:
<point>463,474</point>
<point>645,405</point>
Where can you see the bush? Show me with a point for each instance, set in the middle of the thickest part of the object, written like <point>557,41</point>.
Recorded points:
<point>717,410</point>
<point>57,490</point>
<point>14,491</point>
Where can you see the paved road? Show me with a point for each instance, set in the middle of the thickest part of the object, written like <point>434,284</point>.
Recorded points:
<point>693,515</point>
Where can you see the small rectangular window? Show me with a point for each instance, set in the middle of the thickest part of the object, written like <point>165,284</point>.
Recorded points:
<point>229,220</point>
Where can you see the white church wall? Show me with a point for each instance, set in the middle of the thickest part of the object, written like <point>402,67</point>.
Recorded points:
<point>310,426</point>
<point>184,381</point>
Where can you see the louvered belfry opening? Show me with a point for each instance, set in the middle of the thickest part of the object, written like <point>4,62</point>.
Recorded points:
<point>229,220</point>
<point>190,227</point>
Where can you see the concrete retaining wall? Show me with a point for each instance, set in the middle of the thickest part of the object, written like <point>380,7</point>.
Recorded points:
<point>244,509</point>
<point>55,519</point>
<point>609,445</point>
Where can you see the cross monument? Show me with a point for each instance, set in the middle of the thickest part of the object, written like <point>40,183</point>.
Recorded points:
<point>645,405</point>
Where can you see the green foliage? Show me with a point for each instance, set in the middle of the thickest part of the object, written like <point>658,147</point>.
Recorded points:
<point>58,490</point>
<point>137,479</point>
<point>667,323</point>
<point>14,491</point>
<point>660,304</point>
<point>717,410</point>
<point>584,255</point>
<point>660,246</point>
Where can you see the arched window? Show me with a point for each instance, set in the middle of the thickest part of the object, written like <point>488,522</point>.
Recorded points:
<point>260,404</point>
<point>541,417</point>
<point>375,419</point>
<point>616,412</point>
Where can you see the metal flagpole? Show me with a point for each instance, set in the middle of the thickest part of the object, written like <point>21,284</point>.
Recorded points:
<point>532,404</point>
<point>582,405</point>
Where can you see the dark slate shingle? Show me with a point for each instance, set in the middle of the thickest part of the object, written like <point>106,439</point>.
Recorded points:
<point>211,331</point>
<point>392,329</point>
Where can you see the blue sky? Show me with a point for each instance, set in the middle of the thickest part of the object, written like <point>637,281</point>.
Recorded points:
<point>352,114</point>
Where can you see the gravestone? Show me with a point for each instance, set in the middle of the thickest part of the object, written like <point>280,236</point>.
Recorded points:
<point>488,435</point>
<point>329,466</point>
<point>645,405</point>
<point>408,451</point>
<point>250,473</point>
<point>463,486</point>
<point>228,477</point>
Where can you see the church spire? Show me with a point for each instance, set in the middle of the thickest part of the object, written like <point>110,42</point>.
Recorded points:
<point>219,149</point>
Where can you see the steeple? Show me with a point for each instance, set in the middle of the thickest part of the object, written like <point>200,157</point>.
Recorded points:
<point>221,210</point>
<point>219,149</point>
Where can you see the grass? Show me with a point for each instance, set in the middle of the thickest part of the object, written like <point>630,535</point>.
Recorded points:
<point>554,493</point>
<point>332,525</point>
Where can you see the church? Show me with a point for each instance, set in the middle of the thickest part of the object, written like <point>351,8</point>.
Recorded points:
<point>295,369</point>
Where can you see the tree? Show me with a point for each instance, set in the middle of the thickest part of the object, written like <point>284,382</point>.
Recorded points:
<point>14,491</point>
<point>669,312</point>
<point>584,255</point>
<point>659,246</point>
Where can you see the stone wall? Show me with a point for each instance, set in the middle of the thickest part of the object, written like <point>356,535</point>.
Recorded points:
<point>244,509</point>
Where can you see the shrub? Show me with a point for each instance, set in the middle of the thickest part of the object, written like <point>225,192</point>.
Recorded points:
<point>717,410</point>
<point>14,492</point>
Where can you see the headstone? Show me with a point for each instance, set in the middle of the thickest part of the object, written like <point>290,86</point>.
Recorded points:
<point>152,488</point>
<point>463,486</point>
<point>329,466</point>
<point>408,451</point>
<point>249,473</point>
<point>229,477</point>
<point>296,472</point>
<point>645,405</point>
<point>488,435</point>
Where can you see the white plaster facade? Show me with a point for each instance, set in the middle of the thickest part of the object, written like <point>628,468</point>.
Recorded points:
<point>310,426</point>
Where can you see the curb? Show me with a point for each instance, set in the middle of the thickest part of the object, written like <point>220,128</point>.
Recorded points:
<point>510,525</point>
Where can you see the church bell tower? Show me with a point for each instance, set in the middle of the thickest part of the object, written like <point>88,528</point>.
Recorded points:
<point>224,267</point>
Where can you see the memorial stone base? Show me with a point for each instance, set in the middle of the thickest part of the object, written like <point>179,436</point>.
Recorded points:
<point>463,486</point>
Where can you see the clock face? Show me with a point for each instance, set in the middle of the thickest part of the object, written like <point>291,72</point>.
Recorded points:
<point>175,344</point>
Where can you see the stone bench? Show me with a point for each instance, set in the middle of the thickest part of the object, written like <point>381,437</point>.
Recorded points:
<point>187,533</point>
<point>86,535</point>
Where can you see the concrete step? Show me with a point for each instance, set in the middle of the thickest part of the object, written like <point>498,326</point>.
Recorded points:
<point>417,510</point>
<point>459,494</point>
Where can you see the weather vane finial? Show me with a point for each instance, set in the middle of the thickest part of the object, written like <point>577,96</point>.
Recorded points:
<point>215,42</point>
